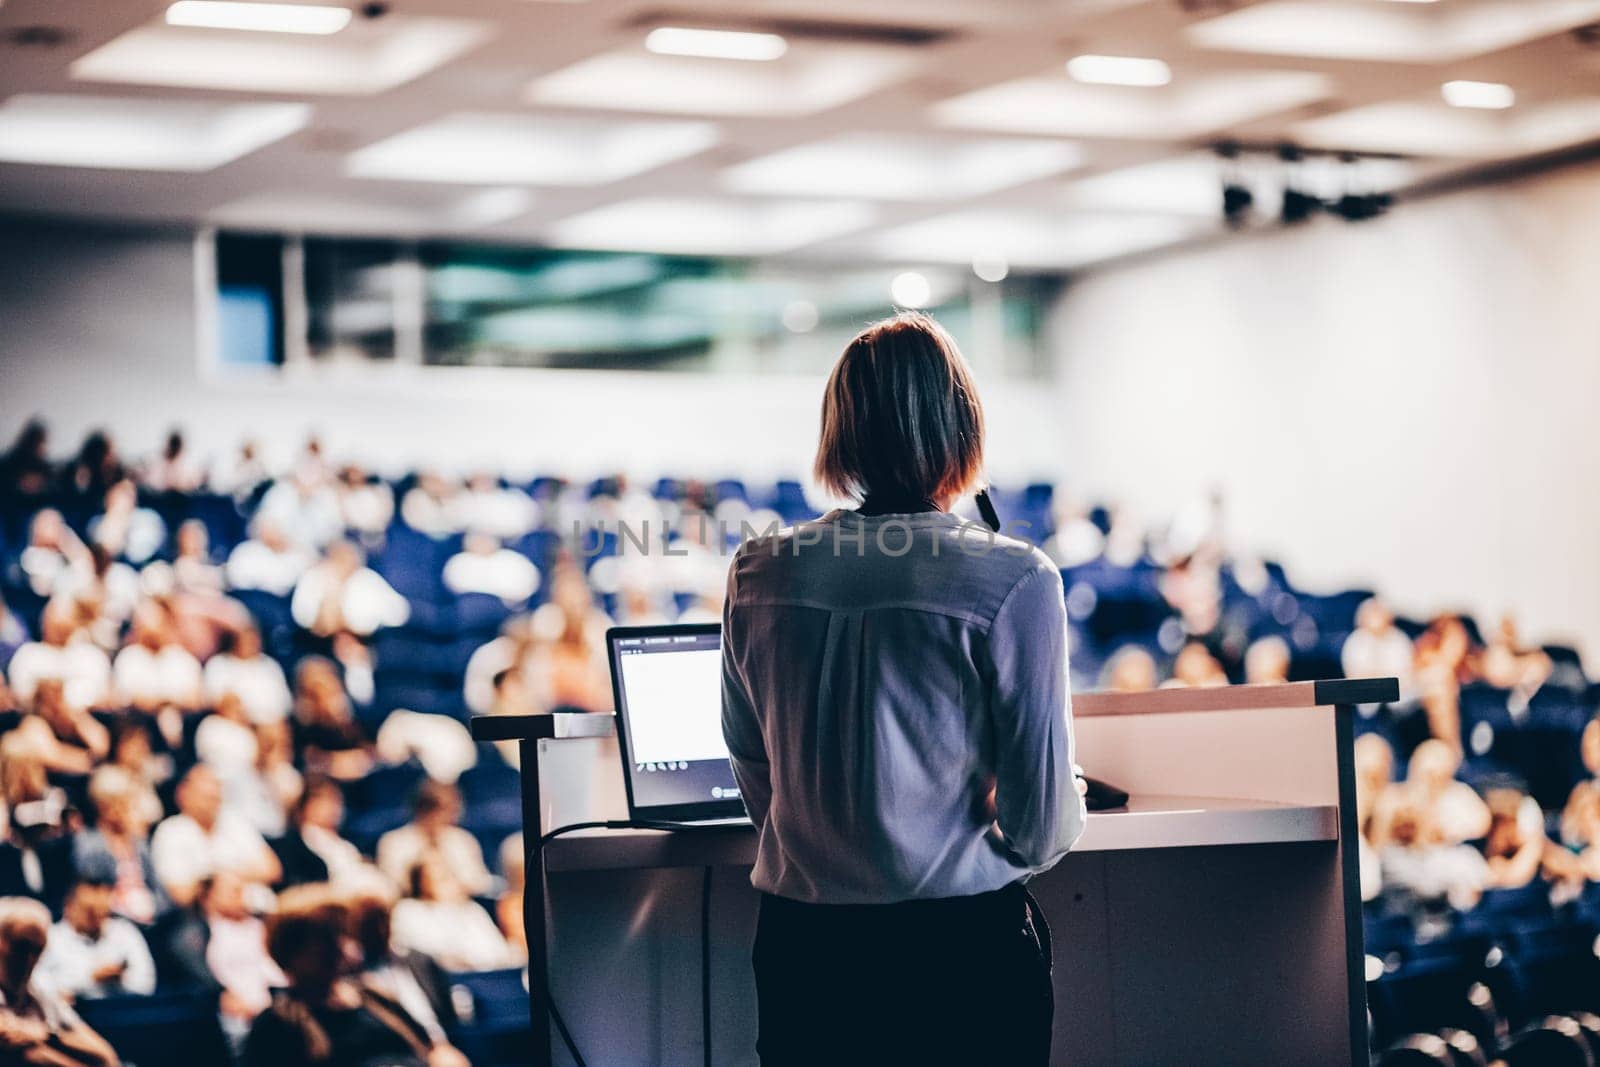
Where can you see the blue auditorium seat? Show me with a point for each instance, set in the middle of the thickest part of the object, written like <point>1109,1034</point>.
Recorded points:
<point>498,1031</point>
<point>1431,994</point>
<point>481,614</point>
<point>166,1029</point>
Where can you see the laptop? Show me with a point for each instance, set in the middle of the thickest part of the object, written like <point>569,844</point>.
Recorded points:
<point>667,682</point>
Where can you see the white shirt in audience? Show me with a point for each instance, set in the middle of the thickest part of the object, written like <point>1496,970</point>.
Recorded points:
<point>309,519</point>
<point>253,565</point>
<point>183,852</point>
<point>503,573</point>
<point>344,860</point>
<point>169,675</point>
<point>505,513</point>
<point>399,850</point>
<point>1457,873</point>
<point>70,960</point>
<point>1389,655</point>
<point>489,660</point>
<point>82,666</point>
<point>366,601</point>
<point>258,682</point>
<point>459,936</point>
<point>236,956</point>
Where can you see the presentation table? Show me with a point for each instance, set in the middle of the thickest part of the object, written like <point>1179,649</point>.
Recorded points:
<point>1214,920</point>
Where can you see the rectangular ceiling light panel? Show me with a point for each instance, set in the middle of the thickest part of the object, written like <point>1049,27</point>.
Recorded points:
<point>511,149</point>
<point>371,56</point>
<point>139,133</point>
<point>901,167</point>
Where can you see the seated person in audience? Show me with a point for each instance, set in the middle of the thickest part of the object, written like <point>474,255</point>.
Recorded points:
<point>63,651</point>
<point>1374,761</point>
<point>1506,664</point>
<point>1417,858</point>
<point>126,530</point>
<point>92,952</point>
<point>439,919</point>
<point>219,944</point>
<point>410,979</point>
<point>268,561</point>
<point>37,1026</point>
<point>1518,850</point>
<point>312,850</point>
<point>1129,670</point>
<point>94,470</point>
<point>1442,664</point>
<point>53,555</point>
<point>484,566</point>
<point>204,839</point>
<point>26,473</point>
<point>431,506</point>
<point>81,740</point>
<point>304,506</point>
<point>433,831</point>
<point>116,849</point>
<point>512,649</point>
<point>1266,661</point>
<point>365,504</point>
<point>326,1016</point>
<point>240,473</point>
<point>105,593</point>
<point>36,852</point>
<point>1195,666</point>
<point>326,733</point>
<point>1453,808</point>
<point>1193,588</point>
<point>1077,540</point>
<point>154,671</point>
<point>172,471</point>
<point>226,741</point>
<point>342,595</point>
<point>240,667</point>
<point>133,750</point>
<point>1377,648</point>
<point>567,664</point>
<point>508,909</point>
<point>638,602</point>
<point>13,634</point>
<point>193,572</point>
<point>275,762</point>
<point>496,510</point>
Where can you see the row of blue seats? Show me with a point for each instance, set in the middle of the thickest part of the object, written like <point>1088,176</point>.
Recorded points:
<point>179,1028</point>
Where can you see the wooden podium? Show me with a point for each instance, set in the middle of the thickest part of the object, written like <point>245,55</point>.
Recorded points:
<point>1215,920</point>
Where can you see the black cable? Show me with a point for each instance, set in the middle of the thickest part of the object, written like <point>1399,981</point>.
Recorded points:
<point>705,963</point>
<point>705,931</point>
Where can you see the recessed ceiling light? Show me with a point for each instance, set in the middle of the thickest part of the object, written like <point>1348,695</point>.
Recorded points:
<point>1043,240</point>
<point>1489,96</point>
<point>715,44</point>
<point>517,149</point>
<point>1119,70</point>
<point>491,206</point>
<point>269,18</point>
<point>901,167</point>
<point>704,226</point>
<point>143,133</point>
<point>910,289</point>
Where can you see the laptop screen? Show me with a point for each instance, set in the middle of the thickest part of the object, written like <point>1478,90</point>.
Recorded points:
<point>668,683</point>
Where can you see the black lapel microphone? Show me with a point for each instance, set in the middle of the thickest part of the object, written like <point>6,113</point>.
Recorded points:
<point>986,511</point>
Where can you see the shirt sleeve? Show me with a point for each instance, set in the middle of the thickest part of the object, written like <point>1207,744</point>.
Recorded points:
<point>139,973</point>
<point>1037,805</point>
<point>741,727</point>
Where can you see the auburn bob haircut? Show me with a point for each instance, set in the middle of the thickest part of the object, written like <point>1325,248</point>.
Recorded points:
<point>901,419</point>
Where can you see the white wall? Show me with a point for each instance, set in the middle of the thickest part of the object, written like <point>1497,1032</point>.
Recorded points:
<point>1410,403</point>
<point>99,330</point>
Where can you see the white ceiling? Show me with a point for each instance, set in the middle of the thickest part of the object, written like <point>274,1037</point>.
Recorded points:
<point>889,129</point>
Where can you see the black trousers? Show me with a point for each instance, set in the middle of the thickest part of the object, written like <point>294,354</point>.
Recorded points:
<point>962,980</point>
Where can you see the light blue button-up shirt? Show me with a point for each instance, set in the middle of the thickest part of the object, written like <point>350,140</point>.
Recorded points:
<point>880,674</point>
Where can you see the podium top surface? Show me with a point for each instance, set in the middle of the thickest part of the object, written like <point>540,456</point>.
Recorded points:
<point>1084,705</point>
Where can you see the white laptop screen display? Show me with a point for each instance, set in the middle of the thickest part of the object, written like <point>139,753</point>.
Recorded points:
<point>670,689</point>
